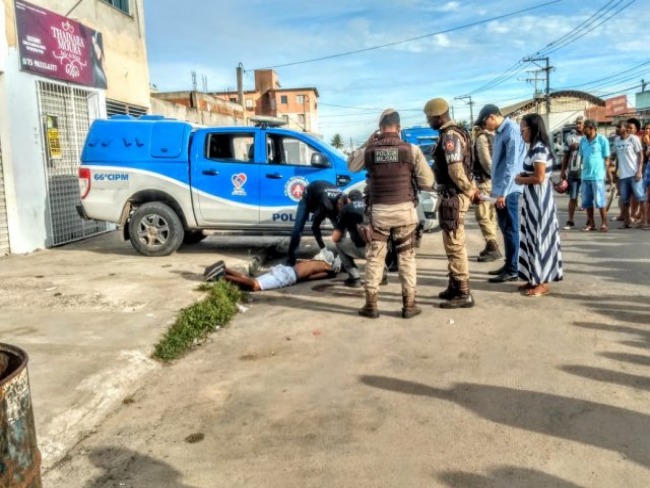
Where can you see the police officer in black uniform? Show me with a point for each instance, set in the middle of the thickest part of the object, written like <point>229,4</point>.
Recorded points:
<point>320,199</point>
<point>352,208</point>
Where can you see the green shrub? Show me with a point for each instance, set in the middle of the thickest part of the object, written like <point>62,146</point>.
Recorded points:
<point>195,322</point>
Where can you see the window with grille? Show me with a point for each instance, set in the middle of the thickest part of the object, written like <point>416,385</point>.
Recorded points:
<point>113,107</point>
<point>122,5</point>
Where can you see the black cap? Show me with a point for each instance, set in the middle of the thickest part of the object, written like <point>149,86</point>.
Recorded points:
<point>487,110</point>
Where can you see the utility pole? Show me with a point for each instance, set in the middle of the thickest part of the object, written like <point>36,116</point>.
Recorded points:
<point>547,93</point>
<point>471,104</point>
<point>240,89</point>
<point>534,81</point>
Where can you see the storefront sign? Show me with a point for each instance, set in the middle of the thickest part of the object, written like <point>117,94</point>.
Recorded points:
<point>57,47</point>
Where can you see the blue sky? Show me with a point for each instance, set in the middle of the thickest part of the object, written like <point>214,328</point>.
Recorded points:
<point>212,37</point>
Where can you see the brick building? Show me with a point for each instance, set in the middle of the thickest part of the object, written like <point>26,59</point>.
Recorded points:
<point>298,106</point>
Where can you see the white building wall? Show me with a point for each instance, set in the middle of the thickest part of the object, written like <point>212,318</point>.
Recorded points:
<point>23,157</point>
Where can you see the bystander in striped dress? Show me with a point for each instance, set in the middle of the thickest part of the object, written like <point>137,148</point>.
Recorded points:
<point>540,256</point>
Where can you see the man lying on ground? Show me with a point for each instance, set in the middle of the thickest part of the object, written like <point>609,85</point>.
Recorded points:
<point>324,265</point>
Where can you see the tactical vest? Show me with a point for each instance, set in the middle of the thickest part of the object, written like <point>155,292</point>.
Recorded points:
<point>441,168</point>
<point>391,175</point>
<point>478,170</point>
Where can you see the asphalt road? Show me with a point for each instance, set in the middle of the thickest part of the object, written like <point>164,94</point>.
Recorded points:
<point>301,392</point>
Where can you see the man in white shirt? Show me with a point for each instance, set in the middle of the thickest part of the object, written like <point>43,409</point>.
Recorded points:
<point>629,154</point>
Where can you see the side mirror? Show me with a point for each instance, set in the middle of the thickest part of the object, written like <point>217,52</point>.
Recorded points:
<point>320,161</point>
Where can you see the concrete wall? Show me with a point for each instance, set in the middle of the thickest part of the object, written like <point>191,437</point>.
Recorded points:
<point>183,112</point>
<point>124,43</point>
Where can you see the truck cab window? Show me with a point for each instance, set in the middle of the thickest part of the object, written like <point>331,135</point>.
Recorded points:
<point>230,147</point>
<point>290,151</point>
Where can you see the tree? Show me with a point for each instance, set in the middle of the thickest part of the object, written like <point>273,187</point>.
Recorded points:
<point>337,141</point>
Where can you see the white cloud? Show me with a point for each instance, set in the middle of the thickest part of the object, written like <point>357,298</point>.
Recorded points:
<point>450,7</point>
<point>442,40</point>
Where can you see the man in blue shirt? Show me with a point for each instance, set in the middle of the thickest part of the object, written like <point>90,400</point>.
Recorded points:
<point>507,162</point>
<point>594,152</point>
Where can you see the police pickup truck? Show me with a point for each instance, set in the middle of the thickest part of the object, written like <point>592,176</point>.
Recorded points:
<point>164,181</point>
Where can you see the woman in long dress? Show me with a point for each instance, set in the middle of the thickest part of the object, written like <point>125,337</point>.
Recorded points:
<point>540,256</point>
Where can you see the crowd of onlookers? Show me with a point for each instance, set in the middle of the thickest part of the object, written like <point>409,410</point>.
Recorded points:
<point>591,160</point>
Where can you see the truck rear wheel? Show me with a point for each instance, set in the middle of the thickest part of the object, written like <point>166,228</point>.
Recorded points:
<point>155,229</point>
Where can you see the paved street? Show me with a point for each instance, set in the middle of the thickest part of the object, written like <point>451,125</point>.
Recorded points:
<point>299,391</point>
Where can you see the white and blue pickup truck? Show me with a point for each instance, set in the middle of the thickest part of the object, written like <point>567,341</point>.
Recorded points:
<point>164,181</point>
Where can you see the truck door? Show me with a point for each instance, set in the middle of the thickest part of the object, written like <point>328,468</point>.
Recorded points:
<point>292,163</point>
<point>225,178</point>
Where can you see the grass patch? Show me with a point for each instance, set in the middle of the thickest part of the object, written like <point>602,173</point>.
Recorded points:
<point>195,322</point>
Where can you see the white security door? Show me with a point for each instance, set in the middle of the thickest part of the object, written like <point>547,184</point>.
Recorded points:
<point>66,113</point>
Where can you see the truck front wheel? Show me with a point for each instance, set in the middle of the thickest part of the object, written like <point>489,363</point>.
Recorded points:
<point>155,229</point>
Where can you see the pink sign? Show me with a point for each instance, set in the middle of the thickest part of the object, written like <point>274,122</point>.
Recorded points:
<point>57,47</point>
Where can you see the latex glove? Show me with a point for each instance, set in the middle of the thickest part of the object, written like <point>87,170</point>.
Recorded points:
<point>325,255</point>
<point>336,265</point>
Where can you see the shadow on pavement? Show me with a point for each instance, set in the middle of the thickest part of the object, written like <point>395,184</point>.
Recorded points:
<point>595,424</point>
<point>627,358</point>
<point>504,477</point>
<point>127,468</point>
<point>642,336</point>
<point>607,376</point>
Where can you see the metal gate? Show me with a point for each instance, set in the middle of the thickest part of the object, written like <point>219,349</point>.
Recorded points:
<point>4,231</point>
<point>66,113</point>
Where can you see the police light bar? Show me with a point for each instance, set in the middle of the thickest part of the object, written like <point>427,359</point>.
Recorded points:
<point>264,121</point>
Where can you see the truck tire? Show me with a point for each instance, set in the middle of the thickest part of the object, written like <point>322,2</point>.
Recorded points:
<point>155,229</point>
<point>193,237</point>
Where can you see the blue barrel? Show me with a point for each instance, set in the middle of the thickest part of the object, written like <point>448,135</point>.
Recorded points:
<point>20,459</point>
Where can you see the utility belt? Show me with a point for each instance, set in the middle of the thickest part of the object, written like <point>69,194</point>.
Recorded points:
<point>481,178</point>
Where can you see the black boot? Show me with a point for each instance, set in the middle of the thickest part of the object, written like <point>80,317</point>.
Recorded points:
<point>463,299</point>
<point>370,308</point>
<point>490,253</point>
<point>451,291</point>
<point>409,308</point>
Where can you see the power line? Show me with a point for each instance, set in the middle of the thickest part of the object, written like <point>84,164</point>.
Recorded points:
<point>559,43</point>
<point>615,75</point>
<point>417,38</point>
<point>573,31</point>
<point>584,33</point>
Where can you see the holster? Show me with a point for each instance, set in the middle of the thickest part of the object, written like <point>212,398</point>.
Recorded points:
<point>449,215</point>
<point>404,244</point>
<point>365,232</point>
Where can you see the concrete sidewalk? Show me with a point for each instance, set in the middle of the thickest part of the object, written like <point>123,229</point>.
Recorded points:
<point>88,315</point>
